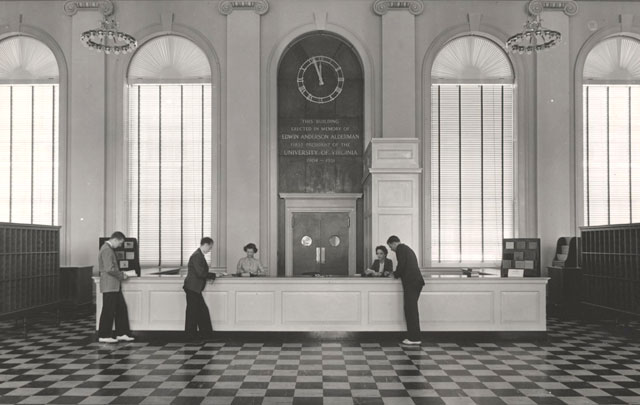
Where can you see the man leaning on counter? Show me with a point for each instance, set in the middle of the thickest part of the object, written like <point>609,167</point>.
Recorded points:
<point>197,314</point>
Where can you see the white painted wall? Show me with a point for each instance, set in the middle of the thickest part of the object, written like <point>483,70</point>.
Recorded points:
<point>549,202</point>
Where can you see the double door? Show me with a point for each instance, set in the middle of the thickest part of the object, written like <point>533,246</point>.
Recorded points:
<point>320,243</point>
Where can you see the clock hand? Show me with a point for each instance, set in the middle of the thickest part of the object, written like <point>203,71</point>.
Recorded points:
<point>318,71</point>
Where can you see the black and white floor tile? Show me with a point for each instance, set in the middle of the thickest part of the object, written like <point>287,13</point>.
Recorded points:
<point>578,363</point>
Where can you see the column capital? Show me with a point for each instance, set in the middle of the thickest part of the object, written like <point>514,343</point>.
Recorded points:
<point>569,7</point>
<point>105,7</point>
<point>415,7</point>
<point>260,7</point>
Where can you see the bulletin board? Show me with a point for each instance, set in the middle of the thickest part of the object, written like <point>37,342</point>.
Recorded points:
<point>127,254</point>
<point>521,253</point>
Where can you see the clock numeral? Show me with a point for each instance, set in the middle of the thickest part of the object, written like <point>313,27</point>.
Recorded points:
<point>317,62</point>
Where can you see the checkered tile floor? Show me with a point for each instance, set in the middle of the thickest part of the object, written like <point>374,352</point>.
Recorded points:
<point>578,363</point>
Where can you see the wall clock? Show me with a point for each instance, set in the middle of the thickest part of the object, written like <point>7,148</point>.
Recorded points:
<point>320,79</point>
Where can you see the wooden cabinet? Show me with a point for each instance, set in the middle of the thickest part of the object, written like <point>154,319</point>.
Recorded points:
<point>29,267</point>
<point>611,267</point>
<point>76,286</point>
<point>565,287</point>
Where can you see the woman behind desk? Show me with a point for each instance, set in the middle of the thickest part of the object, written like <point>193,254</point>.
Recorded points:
<point>250,266</point>
<point>381,267</point>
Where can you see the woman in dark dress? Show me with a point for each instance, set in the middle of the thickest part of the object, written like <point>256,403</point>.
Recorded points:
<point>381,267</point>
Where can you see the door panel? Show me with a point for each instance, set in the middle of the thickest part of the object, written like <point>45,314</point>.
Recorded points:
<point>304,257</point>
<point>326,250</point>
<point>336,258</point>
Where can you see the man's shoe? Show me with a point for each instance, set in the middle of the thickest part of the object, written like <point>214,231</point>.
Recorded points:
<point>411,342</point>
<point>125,338</point>
<point>107,340</point>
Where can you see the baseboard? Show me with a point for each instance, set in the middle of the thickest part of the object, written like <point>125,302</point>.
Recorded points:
<point>361,337</point>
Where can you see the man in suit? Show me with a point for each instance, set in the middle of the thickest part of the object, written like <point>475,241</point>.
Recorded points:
<point>408,272</point>
<point>113,304</point>
<point>197,315</point>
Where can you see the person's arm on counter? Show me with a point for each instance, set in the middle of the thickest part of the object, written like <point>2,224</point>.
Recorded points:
<point>261,269</point>
<point>198,264</point>
<point>239,267</point>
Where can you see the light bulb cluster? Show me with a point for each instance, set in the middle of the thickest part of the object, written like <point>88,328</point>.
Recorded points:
<point>533,38</point>
<point>108,39</point>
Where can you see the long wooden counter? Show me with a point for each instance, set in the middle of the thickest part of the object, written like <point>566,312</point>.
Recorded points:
<point>157,303</point>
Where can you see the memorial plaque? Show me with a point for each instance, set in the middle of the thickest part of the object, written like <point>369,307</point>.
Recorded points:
<point>320,154</point>
<point>320,115</point>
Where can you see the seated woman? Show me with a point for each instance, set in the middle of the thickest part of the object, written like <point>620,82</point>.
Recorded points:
<point>381,267</point>
<point>250,266</point>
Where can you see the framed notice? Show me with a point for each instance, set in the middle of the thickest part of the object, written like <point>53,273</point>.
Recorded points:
<point>521,254</point>
<point>127,254</point>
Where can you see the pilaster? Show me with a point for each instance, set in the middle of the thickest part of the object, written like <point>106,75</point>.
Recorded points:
<point>398,66</point>
<point>554,130</point>
<point>392,194</point>
<point>86,136</point>
<point>243,126</point>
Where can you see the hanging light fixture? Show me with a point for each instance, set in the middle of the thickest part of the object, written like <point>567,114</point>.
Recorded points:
<point>108,39</point>
<point>533,38</point>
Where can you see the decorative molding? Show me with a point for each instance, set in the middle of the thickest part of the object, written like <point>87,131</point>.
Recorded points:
<point>569,7</point>
<point>320,20</point>
<point>167,21</point>
<point>415,7</point>
<point>260,7</point>
<point>474,21</point>
<point>105,7</point>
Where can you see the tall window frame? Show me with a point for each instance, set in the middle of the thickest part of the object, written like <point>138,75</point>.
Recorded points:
<point>472,128</point>
<point>29,131</point>
<point>611,132</point>
<point>169,149</point>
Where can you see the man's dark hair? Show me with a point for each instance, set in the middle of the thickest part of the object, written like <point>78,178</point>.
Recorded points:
<point>206,241</point>
<point>117,235</point>
<point>393,239</point>
<point>383,248</point>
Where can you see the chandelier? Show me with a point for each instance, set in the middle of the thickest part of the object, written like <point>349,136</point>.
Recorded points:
<point>533,38</point>
<point>108,39</point>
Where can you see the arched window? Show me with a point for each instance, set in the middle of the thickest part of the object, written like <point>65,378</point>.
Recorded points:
<point>471,151</point>
<point>611,114</point>
<point>169,148</point>
<point>28,132</point>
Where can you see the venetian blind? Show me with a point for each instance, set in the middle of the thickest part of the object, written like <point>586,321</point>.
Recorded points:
<point>29,154</point>
<point>611,154</point>
<point>611,132</point>
<point>169,170</point>
<point>471,172</point>
<point>29,142</point>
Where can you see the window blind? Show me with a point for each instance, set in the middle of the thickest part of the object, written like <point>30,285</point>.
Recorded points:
<point>471,172</point>
<point>29,153</point>
<point>611,154</point>
<point>169,170</point>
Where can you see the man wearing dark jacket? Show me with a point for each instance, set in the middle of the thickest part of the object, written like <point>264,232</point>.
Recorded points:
<point>197,315</point>
<point>412,282</point>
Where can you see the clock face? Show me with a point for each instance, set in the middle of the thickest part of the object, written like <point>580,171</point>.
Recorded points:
<point>320,79</point>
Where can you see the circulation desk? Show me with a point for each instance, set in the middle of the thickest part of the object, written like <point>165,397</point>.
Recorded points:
<point>157,303</point>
